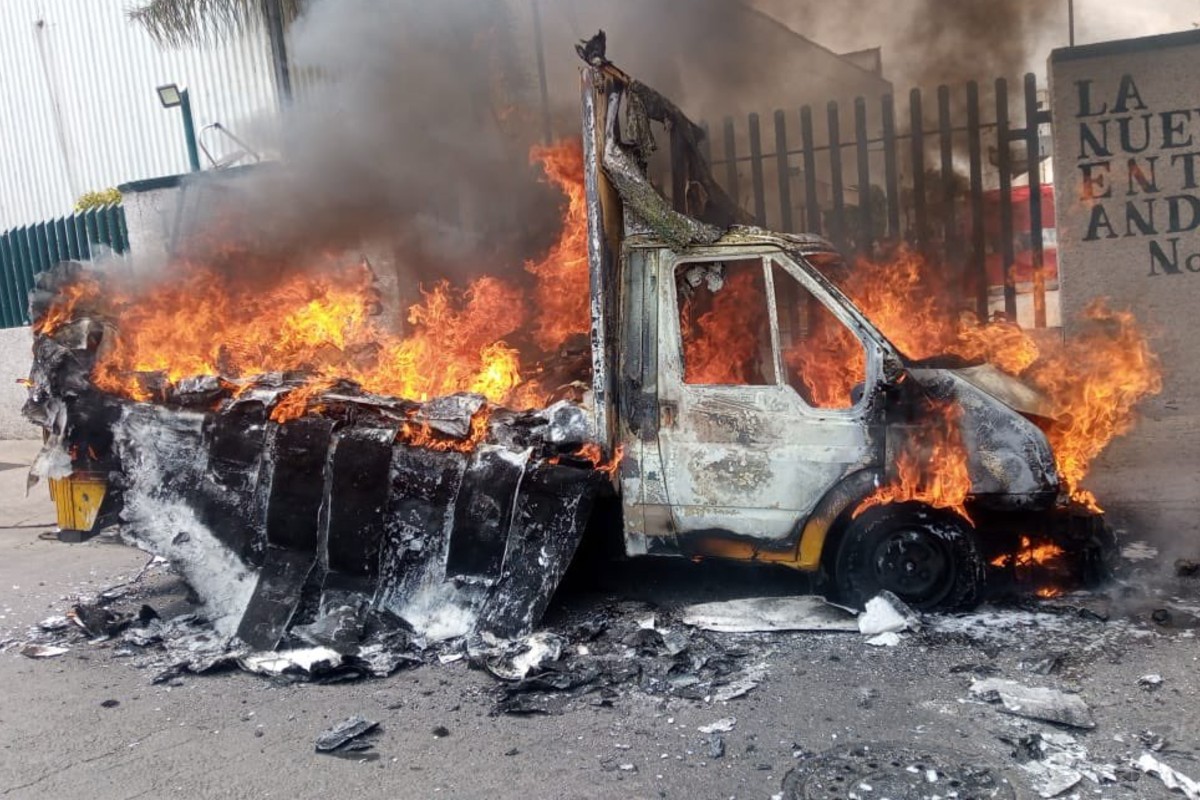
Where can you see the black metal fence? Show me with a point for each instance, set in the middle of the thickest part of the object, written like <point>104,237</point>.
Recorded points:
<point>938,175</point>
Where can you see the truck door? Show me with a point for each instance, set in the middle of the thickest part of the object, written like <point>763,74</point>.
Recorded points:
<point>763,394</point>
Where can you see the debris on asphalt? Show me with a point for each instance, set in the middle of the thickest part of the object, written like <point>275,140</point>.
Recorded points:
<point>1170,777</point>
<point>885,639</point>
<point>100,622</point>
<point>1150,681</point>
<point>741,685</point>
<point>514,660</point>
<point>716,746</point>
<point>440,732</point>
<point>723,725</point>
<point>917,771</point>
<point>346,735</point>
<point>1045,704</point>
<point>43,650</point>
<point>1187,568</point>
<point>52,624</point>
<point>886,613</point>
<point>1056,762</point>
<point>766,614</point>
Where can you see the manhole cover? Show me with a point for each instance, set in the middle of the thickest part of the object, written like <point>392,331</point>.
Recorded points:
<point>886,771</point>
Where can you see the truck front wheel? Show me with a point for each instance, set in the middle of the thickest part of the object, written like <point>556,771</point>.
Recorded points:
<point>926,557</point>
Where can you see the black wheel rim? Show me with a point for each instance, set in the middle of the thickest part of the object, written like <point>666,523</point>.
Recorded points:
<point>915,565</point>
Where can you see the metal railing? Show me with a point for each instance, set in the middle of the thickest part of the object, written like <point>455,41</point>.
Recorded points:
<point>30,249</point>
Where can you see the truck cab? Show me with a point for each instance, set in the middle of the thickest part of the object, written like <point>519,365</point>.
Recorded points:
<point>738,440</point>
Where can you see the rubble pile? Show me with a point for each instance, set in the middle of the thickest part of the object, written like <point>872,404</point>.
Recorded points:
<point>365,522</point>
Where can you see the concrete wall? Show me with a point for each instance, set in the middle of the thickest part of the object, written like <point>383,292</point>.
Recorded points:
<point>16,353</point>
<point>1129,229</point>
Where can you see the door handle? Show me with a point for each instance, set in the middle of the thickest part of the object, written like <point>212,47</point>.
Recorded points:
<point>667,411</point>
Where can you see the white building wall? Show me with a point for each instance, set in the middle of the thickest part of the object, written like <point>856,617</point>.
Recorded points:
<point>78,111</point>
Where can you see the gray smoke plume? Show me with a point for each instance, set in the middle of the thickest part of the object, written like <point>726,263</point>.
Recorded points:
<point>929,42</point>
<point>413,120</point>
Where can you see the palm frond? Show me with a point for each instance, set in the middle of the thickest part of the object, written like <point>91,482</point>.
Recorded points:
<point>176,23</point>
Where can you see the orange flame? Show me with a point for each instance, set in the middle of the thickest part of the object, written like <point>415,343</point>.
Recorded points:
<point>1093,381</point>
<point>562,292</point>
<point>62,309</point>
<point>417,434</point>
<point>720,345</point>
<point>318,320</point>
<point>1029,554</point>
<point>932,467</point>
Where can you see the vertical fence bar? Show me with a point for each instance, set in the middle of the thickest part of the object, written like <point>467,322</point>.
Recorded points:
<point>978,241</point>
<point>114,229</point>
<point>93,230</point>
<point>783,172</point>
<point>891,179</point>
<point>42,249</point>
<point>81,236</point>
<point>953,269</point>
<point>812,206</point>
<point>121,226</point>
<point>60,236</point>
<point>678,172</point>
<point>731,173</point>
<point>756,173</point>
<point>1033,148</point>
<point>102,235</point>
<point>73,238</point>
<point>1004,165</point>
<point>52,242</point>
<point>866,236</point>
<point>24,273</point>
<point>9,316</point>
<point>917,127</point>
<point>837,227</point>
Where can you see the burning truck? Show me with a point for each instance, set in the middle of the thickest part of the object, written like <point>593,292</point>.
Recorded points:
<point>734,392</point>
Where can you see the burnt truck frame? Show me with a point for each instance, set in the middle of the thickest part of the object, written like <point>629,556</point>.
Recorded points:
<point>756,472</point>
<point>334,528</point>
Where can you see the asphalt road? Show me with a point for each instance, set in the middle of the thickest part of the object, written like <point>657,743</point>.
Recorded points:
<point>238,735</point>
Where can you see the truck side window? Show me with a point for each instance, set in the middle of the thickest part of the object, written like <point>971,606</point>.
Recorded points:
<point>724,320</point>
<point>825,361</point>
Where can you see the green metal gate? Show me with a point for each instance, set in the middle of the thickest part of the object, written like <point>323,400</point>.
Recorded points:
<point>28,250</point>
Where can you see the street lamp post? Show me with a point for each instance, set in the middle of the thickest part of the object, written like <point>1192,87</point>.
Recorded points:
<point>171,96</point>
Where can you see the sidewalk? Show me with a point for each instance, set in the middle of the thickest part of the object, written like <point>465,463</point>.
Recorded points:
<point>17,510</point>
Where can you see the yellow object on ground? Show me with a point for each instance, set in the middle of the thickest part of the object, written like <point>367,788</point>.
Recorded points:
<point>77,499</point>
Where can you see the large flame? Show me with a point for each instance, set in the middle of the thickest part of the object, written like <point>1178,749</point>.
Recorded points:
<point>561,296</point>
<point>1093,381</point>
<point>320,321</point>
<point>932,466</point>
<point>721,342</point>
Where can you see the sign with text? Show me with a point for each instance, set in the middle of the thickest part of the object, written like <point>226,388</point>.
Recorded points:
<point>1126,119</point>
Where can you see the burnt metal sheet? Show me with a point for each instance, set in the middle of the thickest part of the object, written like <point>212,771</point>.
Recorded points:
<point>355,525</point>
<point>483,513</point>
<point>552,502</point>
<point>295,493</point>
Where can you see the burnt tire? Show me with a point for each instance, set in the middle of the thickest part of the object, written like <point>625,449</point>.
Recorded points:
<point>926,557</point>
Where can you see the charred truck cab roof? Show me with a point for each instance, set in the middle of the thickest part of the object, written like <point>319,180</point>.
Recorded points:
<point>750,468</point>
